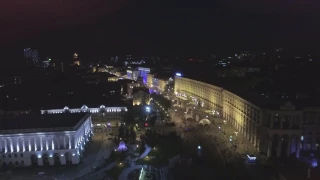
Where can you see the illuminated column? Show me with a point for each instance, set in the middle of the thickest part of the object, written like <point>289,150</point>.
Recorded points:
<point>29,144</point>
<point>41,143</point>
<point>47,144</point>
<point>5,146</point>
<point>24,145</point>
<point>11,145</point>
<point>69,142</point>
<point>35,144</point>
<point>279,146</point>
<point>18,146</point>
<point>289,145</point>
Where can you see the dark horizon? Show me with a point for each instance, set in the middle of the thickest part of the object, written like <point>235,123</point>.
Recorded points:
<point>164,28</point>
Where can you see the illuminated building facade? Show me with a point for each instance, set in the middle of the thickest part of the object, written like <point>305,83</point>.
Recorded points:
<point>100,115</point>
<point>150,80</point>
<point>159,83</point>
<point>132,74</point>
<point>44,140</point>
<point>143,72</point>
<point>141,96</point>
<point>276,132</point>
<point>131,86</point>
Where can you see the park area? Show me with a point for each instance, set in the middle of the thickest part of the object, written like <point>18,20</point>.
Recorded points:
<point>145,157</point>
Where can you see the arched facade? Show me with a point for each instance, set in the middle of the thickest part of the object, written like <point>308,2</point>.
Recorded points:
<point>253,122</point>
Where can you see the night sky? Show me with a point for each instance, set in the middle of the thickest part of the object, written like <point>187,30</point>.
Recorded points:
<point>159,27</point>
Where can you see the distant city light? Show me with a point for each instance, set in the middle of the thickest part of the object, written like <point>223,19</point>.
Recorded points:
<point>199,147</point>
<point>178,74</point>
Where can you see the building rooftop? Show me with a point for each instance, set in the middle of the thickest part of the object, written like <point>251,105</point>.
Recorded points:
<point>163,75</point>
<point>41,122</point>
<point>136,89</point>
<point>246,88</point>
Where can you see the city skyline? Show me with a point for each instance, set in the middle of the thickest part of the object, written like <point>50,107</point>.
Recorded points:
<point>162,28</point>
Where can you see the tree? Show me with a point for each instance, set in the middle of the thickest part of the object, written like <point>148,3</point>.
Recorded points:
<point>121,131</point>
<point>127,135</point>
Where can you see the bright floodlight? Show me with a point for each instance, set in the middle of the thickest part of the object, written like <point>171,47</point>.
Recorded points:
<point>178,74</point>
<point>148,109</point>
<point>122,146</point>
<point>199,147</point>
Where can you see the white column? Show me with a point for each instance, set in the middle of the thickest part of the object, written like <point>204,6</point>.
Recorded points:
<point>29,144</point>
<point>18,145</point>
<point>52,143</point>
<point>5,145</point>
<point>11,145</point>
<point>69,142</point>
<point>41,143</point>
<point>47,145</point>
<point>35,144</point>
<point>23,145</point>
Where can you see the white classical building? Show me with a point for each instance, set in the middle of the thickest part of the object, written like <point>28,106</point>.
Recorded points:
<point>100,114</point>
<point>44,140</point>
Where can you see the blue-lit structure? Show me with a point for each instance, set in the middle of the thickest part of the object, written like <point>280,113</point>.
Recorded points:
<point>178,74</point>
<point>143,73</point>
